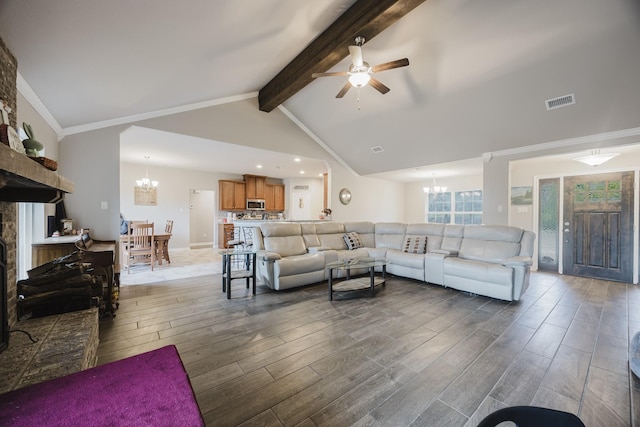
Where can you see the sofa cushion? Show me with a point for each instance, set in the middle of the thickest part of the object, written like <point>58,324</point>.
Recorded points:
<point>309,235</point>
<point>405,259</point>
<point>452,237</point>
<point>390,234</point>
<point>300,264</point>
<point>433,232</point>
<point>479,271</point>
<point>415,245</point>
<point>283,238</point>
<point>490,243</point>
<point>366,231</point>
<point>352,239</point>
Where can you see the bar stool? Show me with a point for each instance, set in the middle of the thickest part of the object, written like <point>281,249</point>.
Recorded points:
<point>232,238</point>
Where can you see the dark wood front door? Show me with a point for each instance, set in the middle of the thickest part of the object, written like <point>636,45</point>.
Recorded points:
<point>598,226</point>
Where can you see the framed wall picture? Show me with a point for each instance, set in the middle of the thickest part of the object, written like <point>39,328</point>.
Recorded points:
<point>145,197</point>
<point>522,195</point>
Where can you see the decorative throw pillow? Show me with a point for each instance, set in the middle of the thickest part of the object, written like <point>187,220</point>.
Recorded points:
<point>415,245</point>
<point>352,240</point>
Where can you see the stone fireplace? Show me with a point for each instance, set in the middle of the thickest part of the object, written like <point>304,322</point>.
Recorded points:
<point>8,300</point>
<point>21,180</point>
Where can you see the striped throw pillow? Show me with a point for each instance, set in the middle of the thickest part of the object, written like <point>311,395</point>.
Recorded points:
<point>415,245</point>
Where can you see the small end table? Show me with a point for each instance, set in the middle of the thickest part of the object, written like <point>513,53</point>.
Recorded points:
<point>248,273</point>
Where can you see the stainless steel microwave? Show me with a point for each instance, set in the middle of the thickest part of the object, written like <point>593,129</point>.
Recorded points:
<point>255,204</point>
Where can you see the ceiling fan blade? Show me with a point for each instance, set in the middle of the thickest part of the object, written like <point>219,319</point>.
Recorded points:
<point>390,65</point>
<point>356,55</point>
<point>344,90</point>
<point>377,85</point>
<point>337,73</point>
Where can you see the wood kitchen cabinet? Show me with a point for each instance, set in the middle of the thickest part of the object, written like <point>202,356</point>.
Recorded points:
<point>232,195</point>
<point>274,197</point>
<point>255,186</point>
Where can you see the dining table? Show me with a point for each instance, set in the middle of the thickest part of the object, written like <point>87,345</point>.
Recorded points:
<point>159,240</point>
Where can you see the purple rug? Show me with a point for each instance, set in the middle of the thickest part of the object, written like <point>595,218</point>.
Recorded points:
<point>150,389</point>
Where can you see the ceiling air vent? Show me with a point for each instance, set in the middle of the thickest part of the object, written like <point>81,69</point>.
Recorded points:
<point>377,149</point>
<point>561,101</point>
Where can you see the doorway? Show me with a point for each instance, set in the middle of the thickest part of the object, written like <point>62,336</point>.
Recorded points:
<point>201,218</point>
<point>301,206</point>
<point>598,226</point>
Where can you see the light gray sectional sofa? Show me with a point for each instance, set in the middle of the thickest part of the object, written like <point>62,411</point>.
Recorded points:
<point>488,260</point>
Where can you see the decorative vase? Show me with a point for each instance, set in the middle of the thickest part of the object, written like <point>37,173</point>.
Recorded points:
<point>32,146</point>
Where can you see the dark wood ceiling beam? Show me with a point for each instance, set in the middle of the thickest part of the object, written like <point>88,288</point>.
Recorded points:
<point>366,18</point>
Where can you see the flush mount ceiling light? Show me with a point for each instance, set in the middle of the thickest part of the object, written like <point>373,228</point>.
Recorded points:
<point>596,158</point>
<point>145,183</point>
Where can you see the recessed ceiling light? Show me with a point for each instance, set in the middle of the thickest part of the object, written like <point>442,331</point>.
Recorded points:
<point>320,174</point>
<point>259,166</point>
<point>297,159</point>
<point>301,172</point>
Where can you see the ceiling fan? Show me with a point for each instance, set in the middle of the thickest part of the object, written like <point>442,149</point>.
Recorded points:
<point>360,72</point>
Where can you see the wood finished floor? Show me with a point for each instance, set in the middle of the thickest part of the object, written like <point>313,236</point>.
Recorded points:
<point>416,354</point>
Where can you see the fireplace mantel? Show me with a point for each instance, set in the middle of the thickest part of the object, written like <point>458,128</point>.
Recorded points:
<point>23,180</point>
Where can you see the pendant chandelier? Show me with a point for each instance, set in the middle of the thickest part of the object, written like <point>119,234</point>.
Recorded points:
<point>146,184</point>
<point>435,188</point>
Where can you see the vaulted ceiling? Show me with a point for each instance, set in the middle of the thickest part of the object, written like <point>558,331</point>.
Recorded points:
<point>479,73</point>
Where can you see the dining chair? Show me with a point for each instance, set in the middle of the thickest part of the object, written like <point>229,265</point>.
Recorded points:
<point>162,251</point>
<point>247,237</point>
<point>140,245</point>
<point>232,238</point>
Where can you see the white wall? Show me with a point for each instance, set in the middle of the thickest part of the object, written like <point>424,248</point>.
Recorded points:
<point>174,195</point>
<point>47,136</point>
<point>91,160</point>
<point>372,199</point>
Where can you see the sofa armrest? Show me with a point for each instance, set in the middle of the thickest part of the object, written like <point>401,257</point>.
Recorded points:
<point>517,261</point>
<point>445,252</point>
<point>315,249</point>
<point>268,256</point>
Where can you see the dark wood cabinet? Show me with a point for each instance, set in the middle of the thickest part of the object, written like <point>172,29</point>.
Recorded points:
<point>232,195</point>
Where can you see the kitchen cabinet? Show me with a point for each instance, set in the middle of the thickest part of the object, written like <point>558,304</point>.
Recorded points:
<point>233,195</point>
<point>274,197</point>
<point>255,186</point>
<point>279,197</point>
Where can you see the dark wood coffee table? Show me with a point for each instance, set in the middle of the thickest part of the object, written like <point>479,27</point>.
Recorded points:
<point>369,281</point>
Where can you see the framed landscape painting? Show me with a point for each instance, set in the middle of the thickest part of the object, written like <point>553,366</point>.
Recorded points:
<point>521,196</point>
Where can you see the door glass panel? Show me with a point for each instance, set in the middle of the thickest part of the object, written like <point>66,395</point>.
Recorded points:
<point>548,228</point>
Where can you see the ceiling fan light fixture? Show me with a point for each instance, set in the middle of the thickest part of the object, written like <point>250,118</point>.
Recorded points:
<point>359,79</point>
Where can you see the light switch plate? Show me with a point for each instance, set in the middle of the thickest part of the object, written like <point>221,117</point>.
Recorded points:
<point>104,205</point>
